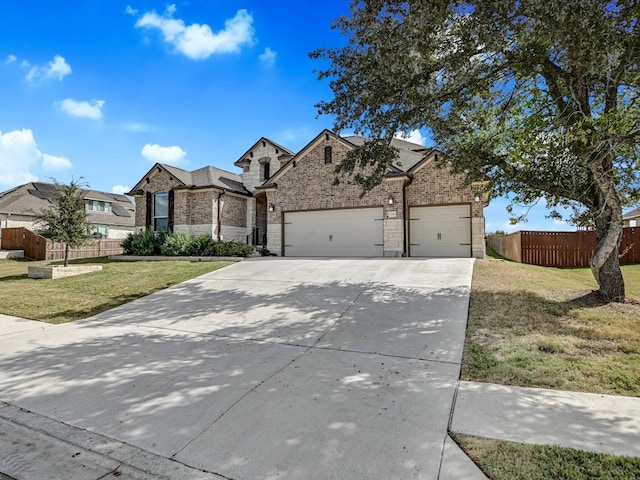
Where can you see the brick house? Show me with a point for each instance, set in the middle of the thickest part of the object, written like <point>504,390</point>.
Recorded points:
<point>632,218</point>
<point>289,203</point>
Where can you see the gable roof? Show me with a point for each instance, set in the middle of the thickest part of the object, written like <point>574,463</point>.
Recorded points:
<point>32,197</point>
<point>632,214</point>
<point>410,153</point>
<point>283,168</point>
<point>205,177</point>
<point>279,149</point>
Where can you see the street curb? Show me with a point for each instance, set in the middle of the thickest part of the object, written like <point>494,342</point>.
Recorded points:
<point>55,446</point>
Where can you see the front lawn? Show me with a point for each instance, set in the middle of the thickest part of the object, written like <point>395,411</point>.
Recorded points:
<point>71,298</point>
<point>513,461</point>
<point>543,327</point>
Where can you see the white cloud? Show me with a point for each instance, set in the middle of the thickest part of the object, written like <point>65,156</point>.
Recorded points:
<point>92,110</point>
<point>414,137</point>
<point>19,154</point>
<point>130,10</point>
<point>138,127</point>
<point>52,162</point>
<point>156,153</point>
<point>268,57</point>
<point>56,69</point>
<point>120,189</point>
<point>198,41</point>
<point>10,59</point>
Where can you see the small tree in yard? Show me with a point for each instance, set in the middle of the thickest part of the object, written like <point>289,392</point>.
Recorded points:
<point>66,221</point>
<point>539,97</point>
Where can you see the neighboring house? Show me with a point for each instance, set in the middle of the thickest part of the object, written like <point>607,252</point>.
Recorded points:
<point>288,202</point>
<point>111,215</point>
<point>632,218</point>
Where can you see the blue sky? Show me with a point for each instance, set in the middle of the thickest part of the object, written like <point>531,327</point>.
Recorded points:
<point>103,89</point>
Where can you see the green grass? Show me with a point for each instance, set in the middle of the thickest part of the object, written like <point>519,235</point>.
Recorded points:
<point>544,327</point>
<point>72,298</point>
<point>501,460</point>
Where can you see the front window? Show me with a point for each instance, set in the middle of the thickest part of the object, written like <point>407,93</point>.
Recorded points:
<point>161,211</point>
<point>100,231</point>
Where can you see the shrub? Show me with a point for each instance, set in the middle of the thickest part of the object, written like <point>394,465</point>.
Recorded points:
<point>200,245</point>
<point>177,244</point>
<point>143,243</point>
<point>181,244</point>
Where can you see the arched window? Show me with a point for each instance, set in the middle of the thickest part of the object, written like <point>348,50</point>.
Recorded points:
<point>161,211</point>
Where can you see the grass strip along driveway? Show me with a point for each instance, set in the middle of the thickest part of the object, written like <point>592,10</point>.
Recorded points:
<point>72,298</point>
<point>544,327</point>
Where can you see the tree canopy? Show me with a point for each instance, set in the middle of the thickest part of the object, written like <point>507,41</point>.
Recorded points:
<point>66,221</point>
<point>539,97</point>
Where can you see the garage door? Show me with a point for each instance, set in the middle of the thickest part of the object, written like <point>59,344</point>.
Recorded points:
<point>440,231</point>
<point>334,233</point>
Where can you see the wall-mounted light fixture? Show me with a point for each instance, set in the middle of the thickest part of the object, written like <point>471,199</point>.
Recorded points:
<point>390,199</point>
<point>477,199</point>
<point>272,207</point>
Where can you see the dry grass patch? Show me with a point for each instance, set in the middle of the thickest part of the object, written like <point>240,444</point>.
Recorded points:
<point>543,327</point>
<point>72,298</point>
<point>501,460</point>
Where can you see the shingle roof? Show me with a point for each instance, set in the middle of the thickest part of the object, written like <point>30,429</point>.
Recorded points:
<point>409,153</point>
<point>209,177</point>
<point>632,214</point>
<point>33,197</point>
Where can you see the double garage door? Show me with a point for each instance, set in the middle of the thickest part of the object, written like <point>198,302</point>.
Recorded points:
<point>443,231</point>
<point>354,232</point>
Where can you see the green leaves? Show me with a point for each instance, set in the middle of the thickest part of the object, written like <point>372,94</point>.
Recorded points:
<point>66,221</point>
<point>522,93</point>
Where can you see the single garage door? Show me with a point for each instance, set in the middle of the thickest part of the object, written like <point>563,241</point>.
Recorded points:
<point>354,232</point>
<point>440,231</point>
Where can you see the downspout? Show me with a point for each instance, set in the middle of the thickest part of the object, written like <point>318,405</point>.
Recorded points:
<point>405,253</point>
<point>219,217</point>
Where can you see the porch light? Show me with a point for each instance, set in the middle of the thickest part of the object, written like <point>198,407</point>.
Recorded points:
<point>477,199</point>
<point>390,199</point>
<point>272,207</point>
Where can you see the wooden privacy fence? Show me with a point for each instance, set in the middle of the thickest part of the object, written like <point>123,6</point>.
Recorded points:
<point>561,249</point>
<point>40,248</point>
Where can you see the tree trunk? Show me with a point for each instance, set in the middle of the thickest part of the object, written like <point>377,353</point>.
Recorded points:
<point>66,254</point>
<point>605,262</point>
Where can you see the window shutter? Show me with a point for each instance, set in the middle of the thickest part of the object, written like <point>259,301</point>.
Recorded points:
<point>149,211</point>
<point>171,203</point>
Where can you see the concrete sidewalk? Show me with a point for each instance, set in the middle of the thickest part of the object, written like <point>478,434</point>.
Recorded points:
<point>585,421</point>
<point>269,368</point>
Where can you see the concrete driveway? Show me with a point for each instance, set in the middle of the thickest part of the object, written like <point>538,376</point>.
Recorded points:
<point>266,369</point>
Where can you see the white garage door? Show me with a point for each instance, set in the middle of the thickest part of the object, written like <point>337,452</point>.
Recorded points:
<point>440,231</point>
<point>354,232</point>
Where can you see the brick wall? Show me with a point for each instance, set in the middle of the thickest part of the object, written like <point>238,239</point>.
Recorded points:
<point>233,211</point>
<point>309,186</point>
<point>157,181</point>
<point>437,186</point>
